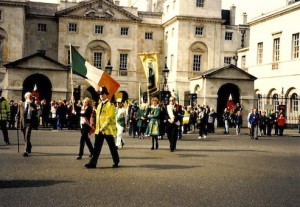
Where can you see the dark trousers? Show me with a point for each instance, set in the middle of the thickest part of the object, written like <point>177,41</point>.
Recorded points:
<point>85,139</point>
<point>27,135</point>
<point>3,125</point>
<point>99,139</point>
<point>172,132</point>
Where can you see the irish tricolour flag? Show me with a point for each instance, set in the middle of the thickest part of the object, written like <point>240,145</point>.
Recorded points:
<point>96,77</point>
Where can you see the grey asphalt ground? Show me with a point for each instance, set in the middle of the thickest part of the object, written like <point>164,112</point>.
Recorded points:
<point>223,170</point>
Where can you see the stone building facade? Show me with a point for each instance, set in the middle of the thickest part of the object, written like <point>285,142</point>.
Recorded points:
<point>190,37</point>
<point>273,56</point>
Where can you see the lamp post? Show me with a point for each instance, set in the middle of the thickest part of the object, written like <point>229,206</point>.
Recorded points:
<point>165,73</point>
<point>108,68</point>
<point>165,93</point>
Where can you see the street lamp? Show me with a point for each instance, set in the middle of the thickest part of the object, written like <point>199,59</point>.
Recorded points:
<point>108,68</point>
<point>165,73</point>
<point>165,93</point>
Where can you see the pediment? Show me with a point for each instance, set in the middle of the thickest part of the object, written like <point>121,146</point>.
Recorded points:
<point>228,72</point>
<point>37,61</point>
<point>98,9</point>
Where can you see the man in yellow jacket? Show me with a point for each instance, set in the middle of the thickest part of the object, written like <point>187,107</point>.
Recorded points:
<point>105,129</point>
<point>4,117</point>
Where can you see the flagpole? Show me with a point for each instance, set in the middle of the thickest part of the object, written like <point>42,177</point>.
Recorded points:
<point>139,93</point>
<point>72,82</point>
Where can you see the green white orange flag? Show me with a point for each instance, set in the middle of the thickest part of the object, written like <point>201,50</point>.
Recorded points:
<point>95,76</point>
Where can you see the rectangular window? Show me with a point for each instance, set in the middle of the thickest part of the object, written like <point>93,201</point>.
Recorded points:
<point>149,35</point>
<point>228,35</point>
<point>98,59</point>
<point>197,63</point>
<point>199,31</point>
<point>124,31</point>
<point>42,27</point>
<point>243,62</point>
<point>276,49</point>
<point>123,64</point>
<point>295,49</point>
<point>69,58</point>
<point>98,29</point>
<point>199,3</point>
<point>1,15</point>
<point>260,53</point>
<point>227,60</point>
<point>72,27</point>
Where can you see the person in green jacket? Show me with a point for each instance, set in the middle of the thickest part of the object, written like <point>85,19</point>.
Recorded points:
<point>4,117</point>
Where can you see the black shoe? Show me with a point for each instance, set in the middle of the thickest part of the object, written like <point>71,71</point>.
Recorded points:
<point>116,165</point>
<point>8,143</point>
<point>90,165</point>
<point>152,148</point>
<point>172,150</point>
<point>25,154</point>
<point>78,157</point>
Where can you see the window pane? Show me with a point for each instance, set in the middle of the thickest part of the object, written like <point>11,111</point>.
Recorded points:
<point>72,27</point>
<point>199,31</point>
<point>295,54</point>
<point>228,35</point>
<point>99,29</point>
<point>260,53</point>
<point>124,30</point>
<point>276,50</point>
<point>200,3</point>
<point>97,59</point>
<point>148,35</point>
<point>197,63</point>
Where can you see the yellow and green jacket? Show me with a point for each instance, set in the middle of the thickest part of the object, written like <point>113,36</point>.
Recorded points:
<point>106,120</point>
<point>4,109</point>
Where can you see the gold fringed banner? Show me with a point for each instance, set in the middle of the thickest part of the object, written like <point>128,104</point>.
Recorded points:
<point>150,65</point>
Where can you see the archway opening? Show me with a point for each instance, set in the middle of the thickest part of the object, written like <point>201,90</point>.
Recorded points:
<point>42,83</point>
<point>226,92</point>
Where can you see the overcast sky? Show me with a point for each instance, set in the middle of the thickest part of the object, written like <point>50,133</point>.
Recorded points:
<point>253,8</point>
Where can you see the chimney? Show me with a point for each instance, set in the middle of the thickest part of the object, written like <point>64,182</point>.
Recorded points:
<point>245,17</point>
<point>117,2</point>
<point>149,6</point>
<point>232,14</point>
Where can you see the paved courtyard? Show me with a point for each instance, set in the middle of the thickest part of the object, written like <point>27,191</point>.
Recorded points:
<point>223,170</point>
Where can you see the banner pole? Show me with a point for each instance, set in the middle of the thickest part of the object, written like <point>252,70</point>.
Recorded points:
<point>72,82</point>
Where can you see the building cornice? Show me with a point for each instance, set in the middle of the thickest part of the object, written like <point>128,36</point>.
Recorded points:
<point>277,13</point>
<point>193,19</point>
<point>97,19</point>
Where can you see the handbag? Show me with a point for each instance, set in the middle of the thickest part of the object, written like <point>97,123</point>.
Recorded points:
<point>92,130</point>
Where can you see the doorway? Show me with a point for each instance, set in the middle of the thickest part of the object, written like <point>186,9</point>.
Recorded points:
<point>226,92</point>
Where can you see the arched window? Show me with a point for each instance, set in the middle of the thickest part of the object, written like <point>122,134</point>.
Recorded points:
<point>275,102</point>
<point>294,103</point>
<point>259,102</point>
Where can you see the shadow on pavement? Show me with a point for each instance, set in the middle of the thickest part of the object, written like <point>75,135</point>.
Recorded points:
<point>28,183</point>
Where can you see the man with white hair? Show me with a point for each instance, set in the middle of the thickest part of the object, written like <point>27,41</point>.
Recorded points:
<point>27,119</point>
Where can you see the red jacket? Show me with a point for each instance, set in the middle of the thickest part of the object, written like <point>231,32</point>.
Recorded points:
<point>281,120</point>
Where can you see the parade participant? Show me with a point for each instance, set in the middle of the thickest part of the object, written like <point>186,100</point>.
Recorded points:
<point>253,120</point>
<point>142,121</point>
<point>105,129</point>
<point>238,120</point>
<point>173,116</point>
<point>120,120</point>
<point>202,123</point>
<point>281,123</point>
<point>154,121</point>
<point>85,126</point>
<point>4,117</point>
<point>27,119</point>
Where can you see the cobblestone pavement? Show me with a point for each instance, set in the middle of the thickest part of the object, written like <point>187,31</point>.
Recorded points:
<point>222,170</point>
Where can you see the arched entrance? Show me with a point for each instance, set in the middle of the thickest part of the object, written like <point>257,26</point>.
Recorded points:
<point>224,93</point>
<point>43,84</point>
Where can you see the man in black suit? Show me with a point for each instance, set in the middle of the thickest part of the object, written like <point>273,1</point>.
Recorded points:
<point>27,119</point>
<point>173,117</point>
